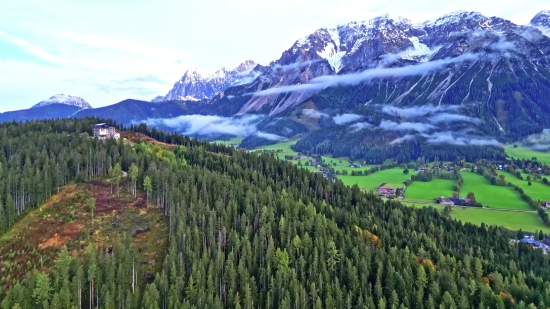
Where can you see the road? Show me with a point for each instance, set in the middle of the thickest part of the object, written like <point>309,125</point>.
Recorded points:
<point>484,208</point>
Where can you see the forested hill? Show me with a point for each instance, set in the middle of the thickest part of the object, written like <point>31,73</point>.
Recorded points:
<point>250,231</point>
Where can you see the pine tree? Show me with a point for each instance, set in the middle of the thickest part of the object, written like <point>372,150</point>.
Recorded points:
<point>148,185</point>
<point>133,173</point>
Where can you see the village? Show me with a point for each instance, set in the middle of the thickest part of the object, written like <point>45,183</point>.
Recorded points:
<point>535,244</point>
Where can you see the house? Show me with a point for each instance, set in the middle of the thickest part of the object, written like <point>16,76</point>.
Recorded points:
<point>530,240</point>
<point>105,131</point>
<point>386,191</point>
<point>547,204</point>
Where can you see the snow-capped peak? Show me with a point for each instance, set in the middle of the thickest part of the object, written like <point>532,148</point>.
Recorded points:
<point>542,19</point>
<point>158,98</point>
<point>198,85</point>
<point>65,99</point>
<point>452,18</point>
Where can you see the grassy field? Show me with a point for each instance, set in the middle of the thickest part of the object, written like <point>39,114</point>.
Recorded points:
<point>392,177</point>
<point>427,191</point>
<point>492,196</point>
<point>526,221</point>
<point>283,146</point>
<point>537,190</point>
<point>512,220</point>
<point>236,140</point>
<point>525,153</point>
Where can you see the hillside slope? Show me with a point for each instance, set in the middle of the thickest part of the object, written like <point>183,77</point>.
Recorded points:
<point>249,230</point>
<point>65,219</point>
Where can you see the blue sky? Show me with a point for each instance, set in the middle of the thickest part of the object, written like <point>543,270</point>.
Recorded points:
<point>107,51</point>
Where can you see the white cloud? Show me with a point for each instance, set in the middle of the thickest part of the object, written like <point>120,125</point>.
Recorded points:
<point>450,138</point>
<point>323,82</point>
<point>356,127</point>
<point>269,136</point>
<point>205,125</point>
<point>405,126</point>
<point>439,118</point>
<point>345,118</point>
<point>402,139</point>
<point>313,113</point>
<point>416,111</point>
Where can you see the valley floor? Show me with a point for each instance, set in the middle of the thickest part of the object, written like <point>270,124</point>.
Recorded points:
<point>503,206</point>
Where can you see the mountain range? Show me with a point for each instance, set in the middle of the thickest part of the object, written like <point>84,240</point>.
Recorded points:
<point>462,79</point>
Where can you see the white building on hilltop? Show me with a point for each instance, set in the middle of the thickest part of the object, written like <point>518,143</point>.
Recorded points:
<point>105,131</point>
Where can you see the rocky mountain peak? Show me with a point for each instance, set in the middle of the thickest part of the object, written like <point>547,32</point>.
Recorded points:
<point>542,19</point>
<point>198,85</point>
<point>66,100</point>
<point>158,98</point>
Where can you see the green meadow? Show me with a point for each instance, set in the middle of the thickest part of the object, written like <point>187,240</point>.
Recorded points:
<point>513,220</point>
<point>537,190</point>
<point>283,146</point>
<point>528,154</point>
<point>422,193</point>
<point>391,177</point>
<point>236,140</point>
<point>493,196</point>
<point>427,191</point>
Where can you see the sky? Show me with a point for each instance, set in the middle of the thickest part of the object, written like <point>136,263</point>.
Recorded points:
<point>106,51</point>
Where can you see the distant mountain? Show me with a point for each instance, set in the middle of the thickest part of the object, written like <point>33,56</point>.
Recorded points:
<point>542,22</point>
<point>50,111</point>
<point>157,99</point>
<point>66,100</point>
<point>195,85</point>
<point>387,85</point>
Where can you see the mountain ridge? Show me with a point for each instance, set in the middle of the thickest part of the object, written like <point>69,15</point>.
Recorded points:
<point>64,99</point>
<point>480,79</point>
<point>198,85</point>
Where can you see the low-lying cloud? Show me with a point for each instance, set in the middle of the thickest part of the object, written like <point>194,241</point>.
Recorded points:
<point>388,59</point>
<point>389,125</point>
<point>313,113</point>
<point>399,140</point>
<point>416,111</point>
<point>247,79</point>
<point>205,125</point>
<point>292,66</point>
<point>356,127</point>
<point>503,45</point>
<point>345,118</point>
<point>450,138</point>
<point>323,82</point>
<point>443,117</point>
<point>269,136</point>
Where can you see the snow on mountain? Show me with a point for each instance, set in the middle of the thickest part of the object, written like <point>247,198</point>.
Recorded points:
<point>542,22</point>
<point>196,85</point>
<point>65,99</point>
<point>158,98</point>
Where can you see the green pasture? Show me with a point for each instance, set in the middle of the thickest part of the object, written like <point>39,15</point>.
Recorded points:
<point>493,196</point>
<point>235,140</point>
<point>392,177</point>
<point>528,154</point>
<point>537,190</point>
<point>427,191</point>
<point>512,220</point>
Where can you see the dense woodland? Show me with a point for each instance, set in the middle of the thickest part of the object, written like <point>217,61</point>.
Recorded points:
<point>374,147</point>
<point>252,231</point>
